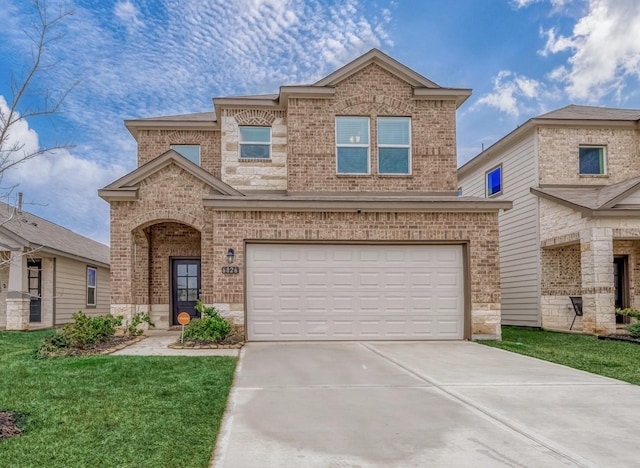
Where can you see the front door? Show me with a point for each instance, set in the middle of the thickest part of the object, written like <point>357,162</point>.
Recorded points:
<point>34,276</point>
<point>621,292</point>
<point>185,286</point>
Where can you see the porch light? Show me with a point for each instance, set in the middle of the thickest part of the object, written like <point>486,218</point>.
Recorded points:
<point>230,255</point>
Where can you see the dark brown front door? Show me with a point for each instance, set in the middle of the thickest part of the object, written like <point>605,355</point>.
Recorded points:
<point>185,286</point>
<point>34,276</point>
<point>621,292</point>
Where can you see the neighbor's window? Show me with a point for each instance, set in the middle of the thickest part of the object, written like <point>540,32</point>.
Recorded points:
<point>394,145</point>
<point>592,160</point>
<point>91,286</point>
<point>255,142</point>
<point>191,152</point>
<point>352,145</point>
<point>494,181</point>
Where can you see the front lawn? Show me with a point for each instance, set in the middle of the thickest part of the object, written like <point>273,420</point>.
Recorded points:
<point>614,359</point>
<point>102,411</point>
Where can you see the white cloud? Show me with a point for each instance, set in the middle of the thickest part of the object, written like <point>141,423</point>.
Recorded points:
<point>513,93</point>
<point>19,136</point>
<point>604,49</point>
<point>128,14</point>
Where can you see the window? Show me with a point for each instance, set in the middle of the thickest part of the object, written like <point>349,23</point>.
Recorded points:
<point>592,160</point>
<point>394,145</point>
<point>352,145</point>
<point>91,286</point>
<point>494,181</point>
<point>459,192</point>
<point>255,142</point>
<point>191,152</point>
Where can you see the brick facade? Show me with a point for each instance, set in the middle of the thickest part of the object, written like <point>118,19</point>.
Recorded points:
<point>167,218</point>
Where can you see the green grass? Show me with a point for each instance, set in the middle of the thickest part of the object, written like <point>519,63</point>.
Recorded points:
<point>614,359</point>
<point>102,411</point>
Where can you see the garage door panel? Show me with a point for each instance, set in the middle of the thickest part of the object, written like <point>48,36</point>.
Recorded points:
<point>350,292</point>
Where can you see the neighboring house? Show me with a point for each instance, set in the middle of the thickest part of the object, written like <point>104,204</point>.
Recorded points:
<point>48,273</point>
<point>324,212</point>
<point>573,176</point>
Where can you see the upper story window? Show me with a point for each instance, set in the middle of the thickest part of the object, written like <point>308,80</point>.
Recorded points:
<point>191,152</point>
<point>352,145</point>
<point>255,143</point>
<point>592,160</point>
<point>394,145</point>
<point>494,181</point>
<point>92,285</point>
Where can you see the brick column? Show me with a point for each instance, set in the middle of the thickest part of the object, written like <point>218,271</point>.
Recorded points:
<point>596,255</point>
<point>17,300</point>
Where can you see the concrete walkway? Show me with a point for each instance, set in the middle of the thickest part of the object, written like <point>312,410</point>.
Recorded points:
<point>437,404</point>
<point>157,344</point>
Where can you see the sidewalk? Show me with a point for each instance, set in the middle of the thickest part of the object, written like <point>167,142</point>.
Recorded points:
<point>157,343</point>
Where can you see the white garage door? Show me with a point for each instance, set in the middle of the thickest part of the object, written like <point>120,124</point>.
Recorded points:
<point>354,292</point>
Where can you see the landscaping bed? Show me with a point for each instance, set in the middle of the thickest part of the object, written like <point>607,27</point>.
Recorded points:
<point>234,340</point>
<point>620,337</point>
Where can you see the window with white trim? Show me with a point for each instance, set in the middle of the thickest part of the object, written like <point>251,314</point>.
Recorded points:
<point>592,160</point>
<point>394,145</point>
<point>494,181</point>
<point>352,145</point>
<point>191,152</point>
<point>92,286</point>
<point>255,142</point>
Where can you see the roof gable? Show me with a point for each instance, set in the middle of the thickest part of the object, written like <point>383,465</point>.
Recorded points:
<point>384,61</point>
<point>126,188</point>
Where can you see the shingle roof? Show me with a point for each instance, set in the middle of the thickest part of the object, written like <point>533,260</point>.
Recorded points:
<point>39,232</point>
<point>197,117</point>
<point>592,198</point>
<point>573,112</point>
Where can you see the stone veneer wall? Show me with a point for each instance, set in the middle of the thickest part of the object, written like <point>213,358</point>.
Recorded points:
<point>561,277</point>
<point>231,229</point>
<point>558,154</point>
<point>371,92</point>
<point>153,143</point>
<point>254,174</point>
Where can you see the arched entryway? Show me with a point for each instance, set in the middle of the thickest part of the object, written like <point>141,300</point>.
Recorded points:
<point>167,269</point>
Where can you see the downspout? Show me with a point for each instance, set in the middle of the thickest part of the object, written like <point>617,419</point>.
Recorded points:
<point>55,280</point>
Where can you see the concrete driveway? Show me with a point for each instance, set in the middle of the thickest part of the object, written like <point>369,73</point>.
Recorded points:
<point>421,404</point>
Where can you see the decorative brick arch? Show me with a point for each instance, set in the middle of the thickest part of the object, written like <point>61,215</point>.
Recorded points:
<point>255,117</point>
<point>184,137</point>
<point>378,105</point>
<point>169,215</point>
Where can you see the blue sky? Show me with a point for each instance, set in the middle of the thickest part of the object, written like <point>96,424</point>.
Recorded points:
<point>143,58</point>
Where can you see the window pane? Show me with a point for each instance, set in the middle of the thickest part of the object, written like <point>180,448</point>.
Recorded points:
<point>353,161</point>
<point>191,152</point>
<point>182,270</point>
<point>192,295</point>
<point>254,151</point>
<point>591,160</point>
<point>393,160</point>
<point>91,277</point>
<point>255,134</point>
<point>182,282</point>
<point>494,181</point>
<point>182,294</point>
<point>192,269</point>
<point>193,282</point>
<point>91,296</point>
<point>393,130</point>
<point>352,130</point>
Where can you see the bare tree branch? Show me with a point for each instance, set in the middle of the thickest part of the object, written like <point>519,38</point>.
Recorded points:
<point>42,35</point>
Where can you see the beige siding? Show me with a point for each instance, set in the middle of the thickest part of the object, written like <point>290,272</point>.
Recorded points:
<point>71,290</point>
<point>519,233</point>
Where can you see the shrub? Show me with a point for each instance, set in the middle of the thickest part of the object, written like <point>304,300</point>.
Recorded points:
<point>628,312</point>
<point>634,329</point>
<point>211,327</point>
<point>131,328</point>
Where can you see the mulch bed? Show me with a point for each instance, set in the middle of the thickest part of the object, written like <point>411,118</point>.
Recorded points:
<point>9,425</point>
<point>114,343</point>
<point>627,338</point>
<point>234,340</point>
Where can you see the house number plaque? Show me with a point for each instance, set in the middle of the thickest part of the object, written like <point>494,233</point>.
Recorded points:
<point>230,270</point>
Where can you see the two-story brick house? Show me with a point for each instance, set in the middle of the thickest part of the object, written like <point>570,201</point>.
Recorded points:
<point>325,211</point>
<point>574,230</point>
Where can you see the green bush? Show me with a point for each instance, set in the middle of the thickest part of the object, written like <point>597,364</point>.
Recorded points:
<point>211,327</point>
<point>82,332</point>
<point>628,312</point>
<point>131,328</point>
<point>634,329</point>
